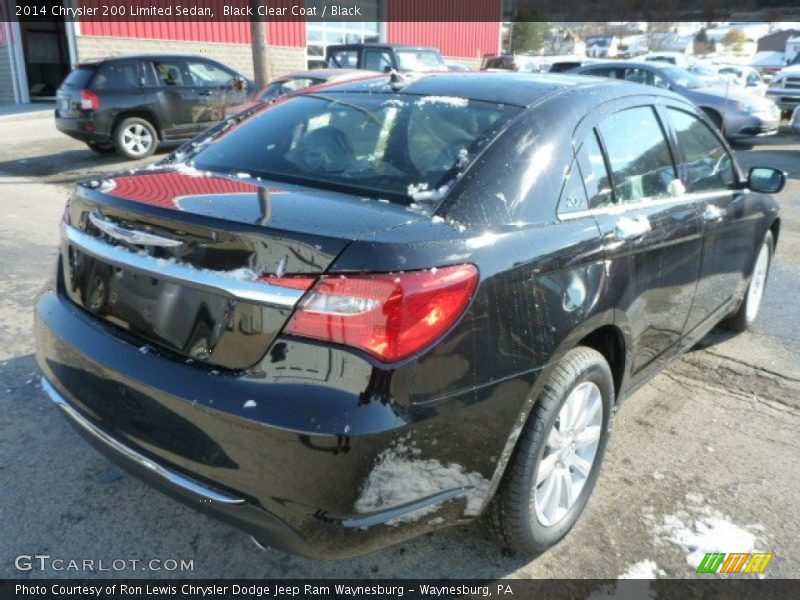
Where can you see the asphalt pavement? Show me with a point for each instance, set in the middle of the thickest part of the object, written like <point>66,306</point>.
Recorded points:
<point>706,454</point>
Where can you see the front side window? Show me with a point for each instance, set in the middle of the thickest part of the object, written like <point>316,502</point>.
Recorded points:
<point>708,165</point>
<point>419,60</point>
<point>638,154</point>
<point>397,147</point>
<point>377,60</point>
<point>637,75</point>
<point>172,73</point>
<point>594,173</point>
<point>206,74</point>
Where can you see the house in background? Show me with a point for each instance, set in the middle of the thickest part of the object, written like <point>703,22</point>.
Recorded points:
<point>35,56</point>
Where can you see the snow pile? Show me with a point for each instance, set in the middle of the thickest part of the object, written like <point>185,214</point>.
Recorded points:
<point>645,569</point>
<point>704,530</point>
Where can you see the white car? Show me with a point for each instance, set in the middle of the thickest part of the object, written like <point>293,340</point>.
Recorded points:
<point>784,88</point>
<point>744,76</point>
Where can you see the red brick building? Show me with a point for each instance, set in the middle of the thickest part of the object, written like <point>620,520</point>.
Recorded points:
<point>35,56</point>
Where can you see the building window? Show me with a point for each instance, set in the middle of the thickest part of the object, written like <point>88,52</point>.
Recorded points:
<point>323,34</point>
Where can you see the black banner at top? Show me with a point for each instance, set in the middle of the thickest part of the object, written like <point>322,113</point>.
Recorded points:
<point>402,10</point>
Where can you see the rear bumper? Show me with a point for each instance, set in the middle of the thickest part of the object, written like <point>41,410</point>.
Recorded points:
<point>84,129</point>
<point>327,493</point>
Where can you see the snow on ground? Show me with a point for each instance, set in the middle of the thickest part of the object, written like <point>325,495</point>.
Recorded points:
<point>699,528</point>
<point>645,569</point>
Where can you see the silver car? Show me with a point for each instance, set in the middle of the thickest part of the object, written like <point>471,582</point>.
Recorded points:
<point>736,112</point>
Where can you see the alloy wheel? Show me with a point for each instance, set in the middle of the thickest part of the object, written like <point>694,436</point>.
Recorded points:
<point>569,454</point>
<point>137,139</point>
<point>757,283</point>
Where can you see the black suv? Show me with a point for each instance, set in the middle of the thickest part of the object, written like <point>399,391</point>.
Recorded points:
<point>384,57</point>
<point>131,103</point>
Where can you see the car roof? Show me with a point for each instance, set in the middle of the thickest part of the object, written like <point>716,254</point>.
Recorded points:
<point>144,55</point>
<point>381,45</point>
<point>328,74</point>
<point>628,63</point>
<point>516,89</point>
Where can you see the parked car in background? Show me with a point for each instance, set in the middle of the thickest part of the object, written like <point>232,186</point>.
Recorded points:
<point>299,80</point>
<point>420,300</point>
<point>384,57</point>
<point>679,59</point>
<point>738,113</point>
<point>795,122</point>
<point>129,104</point>
<point>457,67</point>
<point>512,62</point>
<point>562,65</point>
<point>303,79</point>
<point>784,88</point>
<point>745,77</point>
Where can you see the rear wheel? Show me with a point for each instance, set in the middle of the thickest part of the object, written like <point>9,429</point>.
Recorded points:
<point>101,148</point>
<point>558,456</point>
<point>748,310</point>
<point>135,138</point>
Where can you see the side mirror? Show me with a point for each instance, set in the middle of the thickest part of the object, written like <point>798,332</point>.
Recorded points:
<point>238,84</point>
<point>766,180</point>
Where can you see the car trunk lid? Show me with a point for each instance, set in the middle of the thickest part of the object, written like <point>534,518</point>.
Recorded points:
<point>204,266</point>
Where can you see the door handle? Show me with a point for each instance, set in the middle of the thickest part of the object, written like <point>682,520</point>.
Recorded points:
<point>627,229</point>
<point>713,213</point>
<point>204,93</point>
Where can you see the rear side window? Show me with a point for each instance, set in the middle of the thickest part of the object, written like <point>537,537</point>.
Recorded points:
<point>79,77</point>
<point>117,75</point>
<point>638,154</point>
<point>604,72</point>
<point>708,165</point>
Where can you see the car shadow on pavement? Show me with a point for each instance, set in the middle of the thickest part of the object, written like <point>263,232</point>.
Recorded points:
<point>69,166</point>
<point>71,502</point>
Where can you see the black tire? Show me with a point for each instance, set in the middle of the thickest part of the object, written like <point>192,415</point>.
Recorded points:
<point>122,138</point>
<point>513,519</point>
<point>743,318</point>
<point>101,148</point>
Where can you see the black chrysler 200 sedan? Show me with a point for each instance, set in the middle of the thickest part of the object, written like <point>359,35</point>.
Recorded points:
<point>370,311</point>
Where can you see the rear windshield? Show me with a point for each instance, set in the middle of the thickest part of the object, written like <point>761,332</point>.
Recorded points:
<point>399,147</point>
<point>79,77</point>
<point>419,60</point>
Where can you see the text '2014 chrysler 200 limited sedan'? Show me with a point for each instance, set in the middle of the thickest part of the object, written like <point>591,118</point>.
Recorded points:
<point>369,311</point>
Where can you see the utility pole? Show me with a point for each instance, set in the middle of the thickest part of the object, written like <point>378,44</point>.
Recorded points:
<point>259,41</point>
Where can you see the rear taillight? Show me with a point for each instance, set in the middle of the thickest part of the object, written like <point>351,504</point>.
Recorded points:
<point>390,316</point>
<point>90,100</point>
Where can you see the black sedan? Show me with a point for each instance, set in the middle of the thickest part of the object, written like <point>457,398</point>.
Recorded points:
<point>367,312</point>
